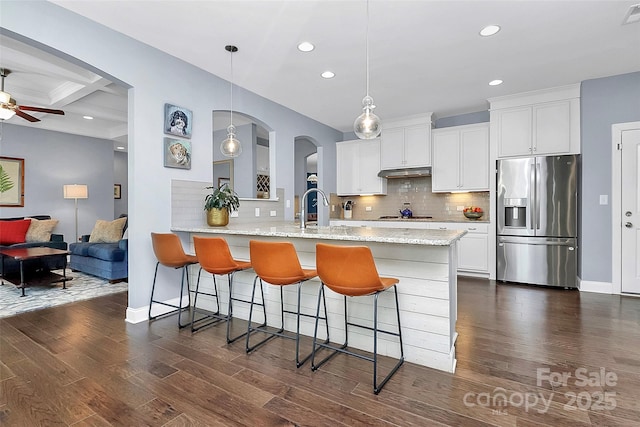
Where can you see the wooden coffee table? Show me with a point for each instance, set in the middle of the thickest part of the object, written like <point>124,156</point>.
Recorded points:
<point>31,271</point>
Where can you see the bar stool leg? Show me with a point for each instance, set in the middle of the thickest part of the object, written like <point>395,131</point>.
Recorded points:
<point>213,317</point>
<point>263,325</point>
<point>307,357</point>
<point>179,307</point>
<point>378,387</point>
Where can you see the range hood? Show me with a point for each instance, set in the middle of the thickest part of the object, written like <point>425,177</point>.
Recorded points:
<point>405,173</point>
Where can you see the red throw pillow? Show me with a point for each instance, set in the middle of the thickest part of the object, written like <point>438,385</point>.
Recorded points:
<point>12,232</point>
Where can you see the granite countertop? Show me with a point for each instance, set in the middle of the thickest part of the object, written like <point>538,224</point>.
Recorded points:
<point>354,234</point>
<point>456,220</point>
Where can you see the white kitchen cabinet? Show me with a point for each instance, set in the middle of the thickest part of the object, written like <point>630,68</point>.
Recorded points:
<point>357,165</point>
<point>473,247</point>
<point>537,123</point>
<point>406,143</point>
<point>461,158</point>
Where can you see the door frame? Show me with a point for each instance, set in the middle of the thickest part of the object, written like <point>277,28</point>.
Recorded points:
<point>616,200</point>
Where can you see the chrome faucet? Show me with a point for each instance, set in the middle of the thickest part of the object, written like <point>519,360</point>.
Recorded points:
<point>303,204</point>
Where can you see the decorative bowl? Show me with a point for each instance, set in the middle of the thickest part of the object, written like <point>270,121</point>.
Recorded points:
<point>473,215</point>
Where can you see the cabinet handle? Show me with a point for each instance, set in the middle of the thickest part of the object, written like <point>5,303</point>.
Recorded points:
<point>442,228</point>
<point>472,228</point>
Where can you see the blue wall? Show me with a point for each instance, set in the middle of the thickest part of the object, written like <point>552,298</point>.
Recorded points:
<point>603,102</point>
<point>53,159</point>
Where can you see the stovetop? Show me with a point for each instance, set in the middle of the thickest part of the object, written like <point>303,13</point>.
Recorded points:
<point>400,217</point>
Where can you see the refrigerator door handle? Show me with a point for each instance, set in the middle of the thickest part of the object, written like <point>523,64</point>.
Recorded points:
<point>536,198</point>
<point>532,195</point>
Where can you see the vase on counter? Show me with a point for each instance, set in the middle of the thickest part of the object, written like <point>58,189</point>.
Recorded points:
<point>217,217</point>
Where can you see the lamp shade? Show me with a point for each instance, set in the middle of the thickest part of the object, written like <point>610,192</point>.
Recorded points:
<point>76,191</point>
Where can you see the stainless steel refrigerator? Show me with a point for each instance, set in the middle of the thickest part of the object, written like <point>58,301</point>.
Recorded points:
<point>537,228</point>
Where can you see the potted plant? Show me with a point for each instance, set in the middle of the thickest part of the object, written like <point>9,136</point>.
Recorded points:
<point>219,204</point>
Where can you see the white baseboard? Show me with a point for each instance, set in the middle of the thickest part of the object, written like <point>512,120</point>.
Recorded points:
<point>597,287</point>
<point>138,315</point>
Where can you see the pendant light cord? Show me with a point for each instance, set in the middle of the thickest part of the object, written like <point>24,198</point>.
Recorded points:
<point>231,109</point>
<point>367,45</point>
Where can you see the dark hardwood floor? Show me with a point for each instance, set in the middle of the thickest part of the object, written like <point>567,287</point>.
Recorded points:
<point>82,365</point>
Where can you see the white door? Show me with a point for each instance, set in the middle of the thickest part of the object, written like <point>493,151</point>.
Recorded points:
<point>630,211</point>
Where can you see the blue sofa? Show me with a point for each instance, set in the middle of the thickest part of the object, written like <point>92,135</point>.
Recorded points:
<point>106,260</point>
<point>11,266</point>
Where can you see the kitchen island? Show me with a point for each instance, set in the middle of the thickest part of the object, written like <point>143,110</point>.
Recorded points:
<point>424,261</point>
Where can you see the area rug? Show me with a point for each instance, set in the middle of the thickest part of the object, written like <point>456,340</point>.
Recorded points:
<point>82,287</point>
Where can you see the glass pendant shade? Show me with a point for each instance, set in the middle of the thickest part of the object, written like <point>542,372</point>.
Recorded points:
<point>367,125</point>
<point>231,147</point>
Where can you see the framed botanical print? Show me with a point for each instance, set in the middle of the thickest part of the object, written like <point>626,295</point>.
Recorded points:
<point>177,121</point>
<point>11,182</point>
<point>177,153</point>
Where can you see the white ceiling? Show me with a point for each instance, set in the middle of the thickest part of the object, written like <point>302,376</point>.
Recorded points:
<point>425,56</point>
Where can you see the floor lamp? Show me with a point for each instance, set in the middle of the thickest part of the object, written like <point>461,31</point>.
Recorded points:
<point>76,191</point>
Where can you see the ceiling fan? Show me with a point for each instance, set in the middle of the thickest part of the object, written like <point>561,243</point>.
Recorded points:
<point>8,106</point>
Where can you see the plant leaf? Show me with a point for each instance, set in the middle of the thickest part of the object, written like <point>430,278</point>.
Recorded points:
<point>5,181</point>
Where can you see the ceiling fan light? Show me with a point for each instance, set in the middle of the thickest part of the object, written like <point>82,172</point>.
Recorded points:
<point>5,97</point>
<point>6,113</point>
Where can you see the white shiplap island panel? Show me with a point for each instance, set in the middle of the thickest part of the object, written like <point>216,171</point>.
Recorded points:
<point>424,261</point>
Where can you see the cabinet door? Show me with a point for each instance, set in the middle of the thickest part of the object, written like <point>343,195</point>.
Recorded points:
<point>392,148</point>
<point>514,132</point>
<point>473,253</point>
<point>474,159</point>
<point>446,155</point>
<point>369,159</point>
<point>552,128</point>
<point>417,150</point>
<point>347,168</point>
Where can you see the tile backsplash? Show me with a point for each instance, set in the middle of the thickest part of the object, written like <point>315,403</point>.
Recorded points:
<point>417,192</point>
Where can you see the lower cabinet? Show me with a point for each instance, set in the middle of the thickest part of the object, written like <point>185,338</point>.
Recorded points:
<point>473,247</point>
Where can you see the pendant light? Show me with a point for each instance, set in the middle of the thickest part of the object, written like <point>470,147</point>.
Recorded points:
<point>367,125</point>
<point>231,146</point>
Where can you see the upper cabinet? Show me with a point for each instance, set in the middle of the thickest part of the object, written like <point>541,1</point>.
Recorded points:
<point>406,143</point>
<point>543,122</point>
<point>461,158</point>
<point>357,165</point>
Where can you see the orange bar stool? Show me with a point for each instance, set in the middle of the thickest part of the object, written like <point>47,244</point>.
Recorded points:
<point>277,263</point>
<point>351,272</point>
<point>169,253</point>
<point>215,257</point>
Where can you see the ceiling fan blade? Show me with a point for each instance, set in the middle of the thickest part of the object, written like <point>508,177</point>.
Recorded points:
<point>26,116</point>
<point>41,110</point>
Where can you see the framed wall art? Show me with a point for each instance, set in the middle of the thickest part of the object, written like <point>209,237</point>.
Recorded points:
<point>11,182</point>
<point>117,191</point>
<point>177,153</point>
<point>177,121</point>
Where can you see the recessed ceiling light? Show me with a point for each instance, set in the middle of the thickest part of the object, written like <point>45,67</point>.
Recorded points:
<point>87,117</point>
<point>306,47</point>
<point>120,147</point>
<point>328,75</point>
<point>489,30</point>
<point>495,82</point>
